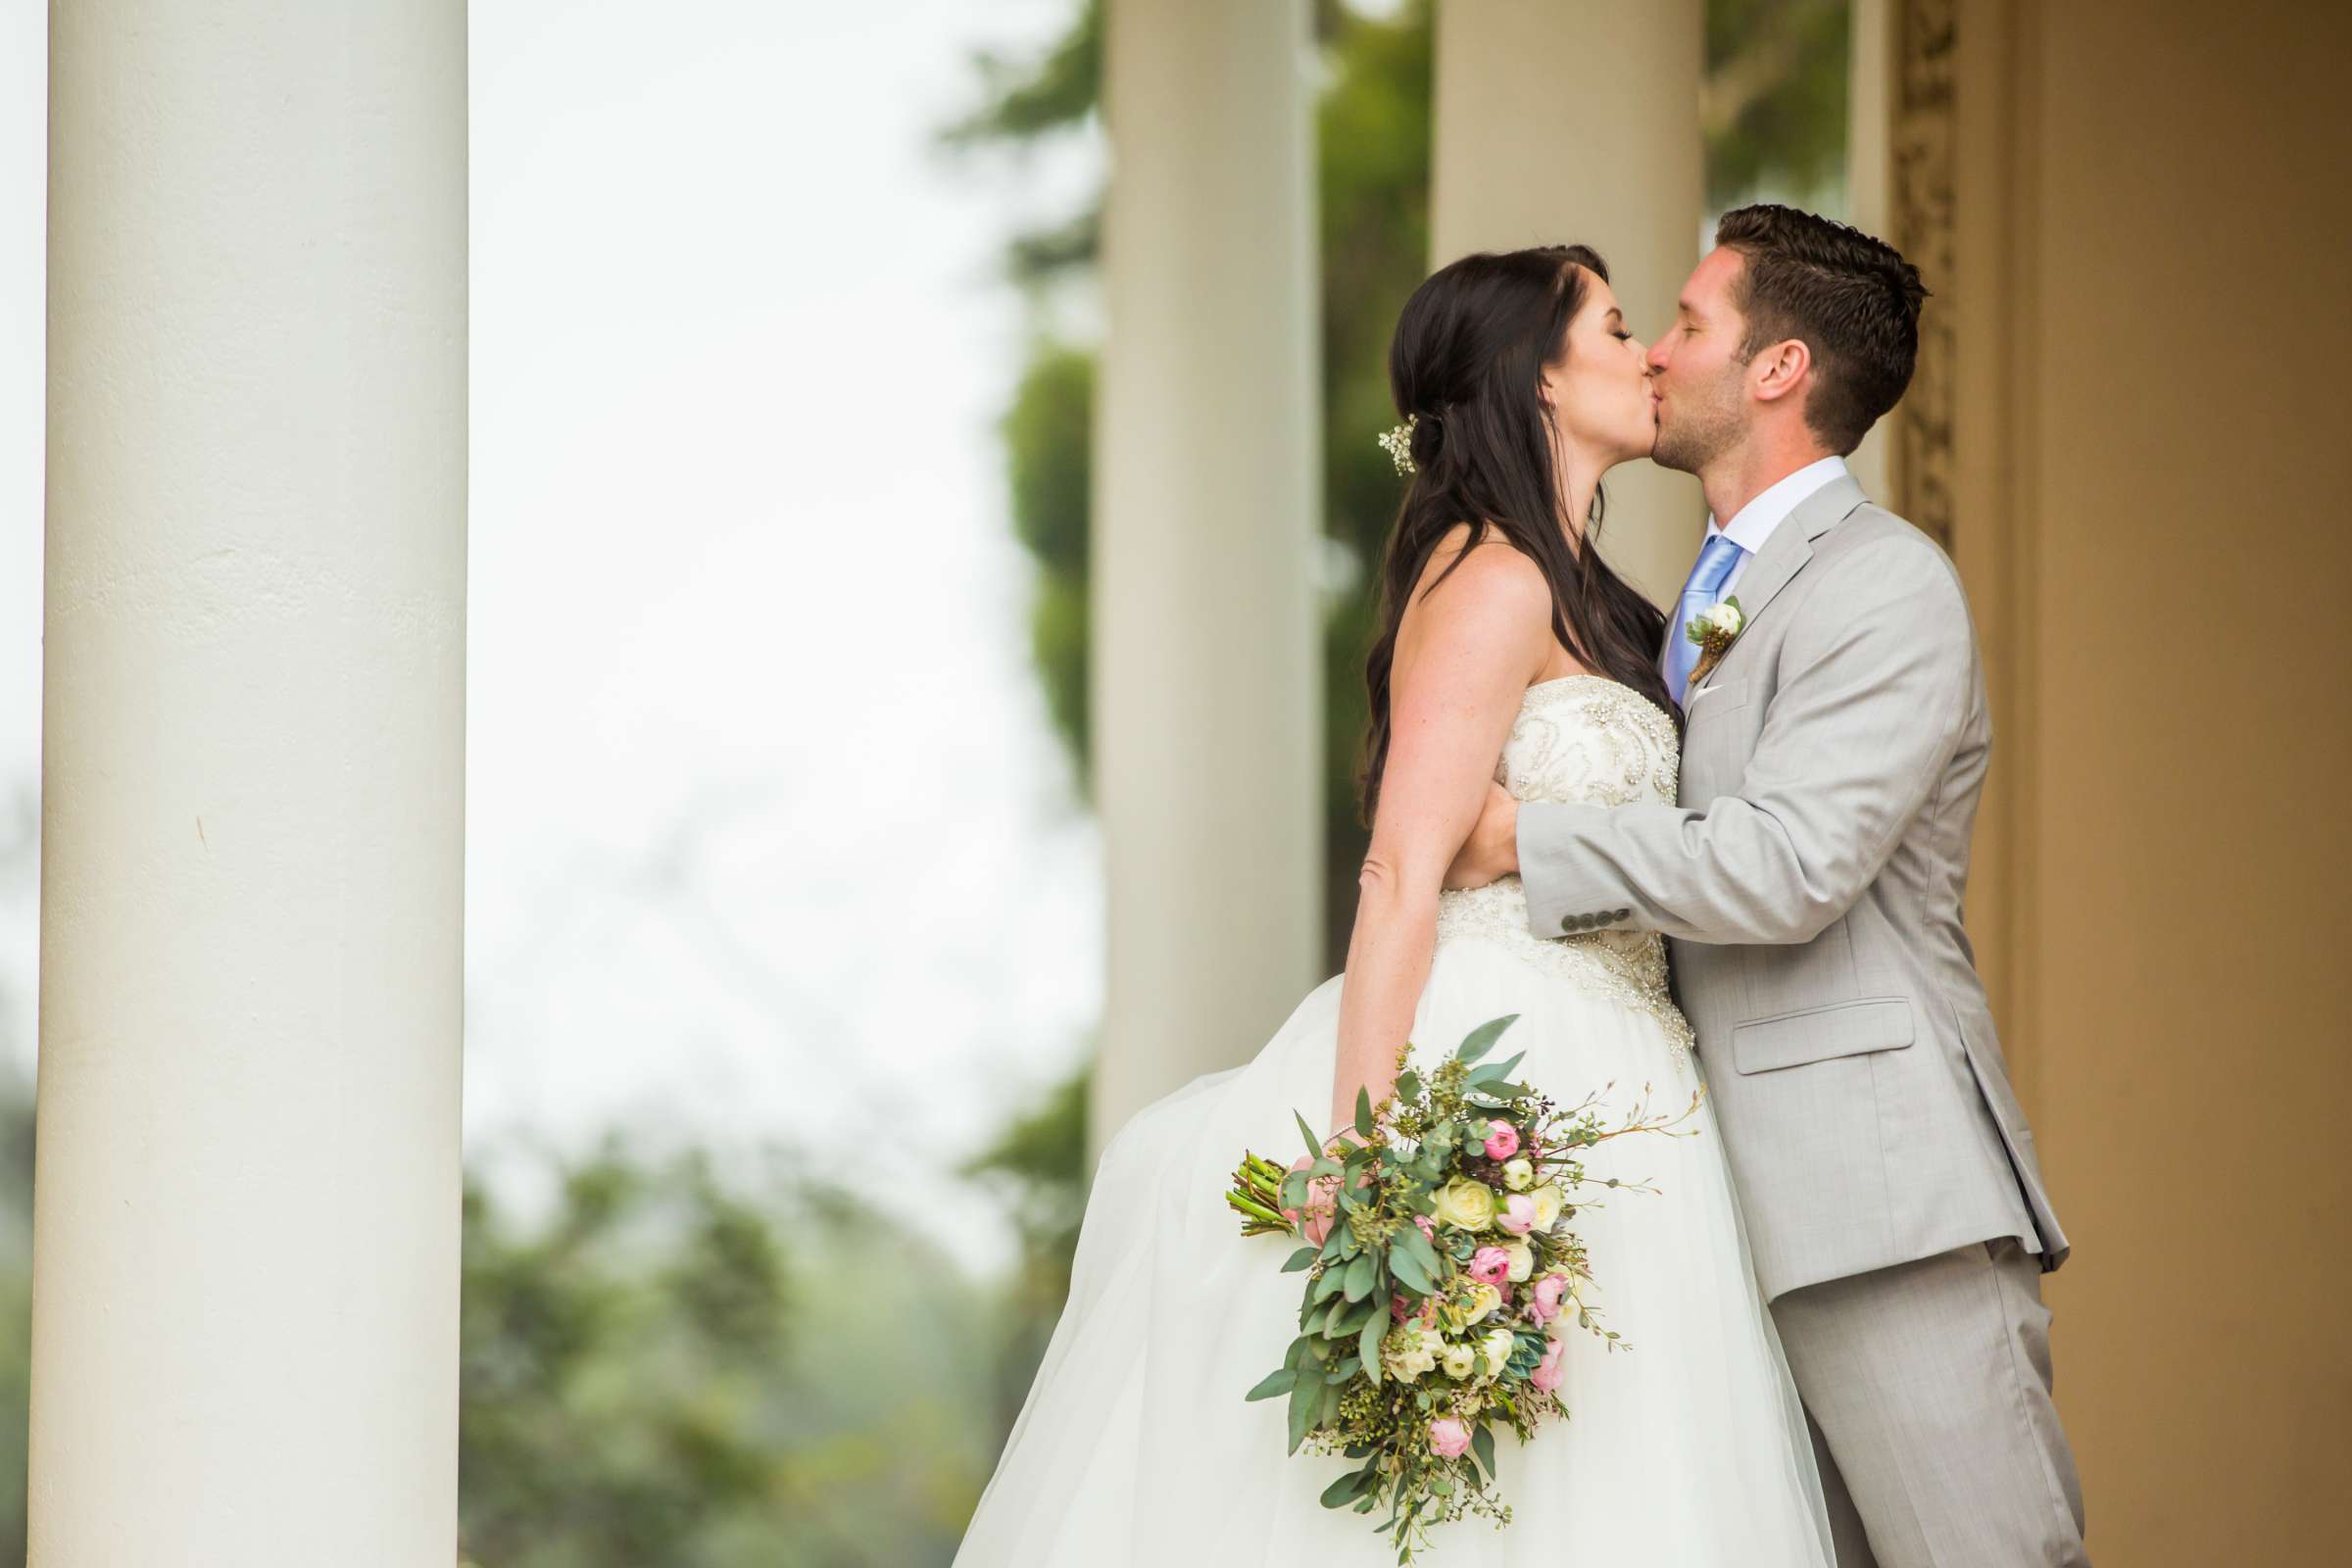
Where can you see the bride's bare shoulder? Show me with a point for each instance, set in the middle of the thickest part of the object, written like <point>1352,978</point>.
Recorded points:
<point>1488,592</point>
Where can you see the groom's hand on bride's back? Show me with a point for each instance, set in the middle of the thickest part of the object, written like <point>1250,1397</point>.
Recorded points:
<point>1493,848</point>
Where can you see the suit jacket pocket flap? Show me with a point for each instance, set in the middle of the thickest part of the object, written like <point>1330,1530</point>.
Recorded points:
<point>1817,1034</point>
<point>1716,696</point>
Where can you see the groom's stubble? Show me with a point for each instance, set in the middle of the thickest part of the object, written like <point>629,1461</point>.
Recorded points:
<point>1699,424</point>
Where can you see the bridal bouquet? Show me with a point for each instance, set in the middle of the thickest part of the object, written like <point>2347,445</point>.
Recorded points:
<point>1441,1281</point>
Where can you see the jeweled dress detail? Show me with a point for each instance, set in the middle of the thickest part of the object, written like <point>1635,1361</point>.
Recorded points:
<point>1689,1449</point>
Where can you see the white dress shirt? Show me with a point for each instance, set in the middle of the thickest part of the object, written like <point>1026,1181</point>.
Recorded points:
<point>1753,524</point>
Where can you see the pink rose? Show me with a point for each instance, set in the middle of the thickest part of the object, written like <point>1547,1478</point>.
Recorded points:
<point>1518,1214</point>
<point>1429,1227</point>
<point>1448,1436</point>
<point>1490,1265</point>
<point>1503,1139</point>
<point>1548,1372</point>
<point>1544,1305</point>
<point>1400,1307</point>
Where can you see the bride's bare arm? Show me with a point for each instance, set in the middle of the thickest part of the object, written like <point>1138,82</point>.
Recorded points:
<point>1468,649</point>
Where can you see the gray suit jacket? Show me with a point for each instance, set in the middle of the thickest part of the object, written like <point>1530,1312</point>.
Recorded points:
<point>1810,880</point>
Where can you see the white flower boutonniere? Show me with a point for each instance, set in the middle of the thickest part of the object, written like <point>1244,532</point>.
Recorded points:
<point>1714,629</point>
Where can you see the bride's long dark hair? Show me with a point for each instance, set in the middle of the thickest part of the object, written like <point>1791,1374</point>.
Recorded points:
<point>1467,366</point>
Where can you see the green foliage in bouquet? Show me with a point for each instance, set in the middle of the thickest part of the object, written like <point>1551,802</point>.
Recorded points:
<point>1441,1279</point>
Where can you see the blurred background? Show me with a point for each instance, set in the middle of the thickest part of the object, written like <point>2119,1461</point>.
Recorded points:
<point>923,490</point>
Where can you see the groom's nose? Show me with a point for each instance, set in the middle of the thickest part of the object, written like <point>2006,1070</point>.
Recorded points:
<point>1655,359</point>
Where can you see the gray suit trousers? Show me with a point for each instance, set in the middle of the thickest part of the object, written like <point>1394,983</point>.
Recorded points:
<point>1929,1389</point>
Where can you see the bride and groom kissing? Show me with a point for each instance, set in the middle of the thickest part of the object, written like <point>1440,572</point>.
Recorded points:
<point>1842,1351</point>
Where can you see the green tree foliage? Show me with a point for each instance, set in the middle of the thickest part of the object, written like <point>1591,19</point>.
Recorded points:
<point>16,1308</point>
<point>1774,102</point>
<point>1038,1163</point>
<point>669,1370</point>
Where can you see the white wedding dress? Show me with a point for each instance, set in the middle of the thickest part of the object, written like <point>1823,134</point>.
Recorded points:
<point>1135,1446</point>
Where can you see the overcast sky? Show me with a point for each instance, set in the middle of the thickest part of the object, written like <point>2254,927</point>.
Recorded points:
<point>763,802</point>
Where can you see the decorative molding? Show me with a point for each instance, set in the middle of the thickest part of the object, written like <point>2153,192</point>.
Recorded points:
<point>1925,223</point>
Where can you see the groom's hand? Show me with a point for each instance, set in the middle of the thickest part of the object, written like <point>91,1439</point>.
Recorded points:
<point>1493,848</point>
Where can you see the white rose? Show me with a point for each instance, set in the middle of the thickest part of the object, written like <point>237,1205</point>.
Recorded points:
<point>1460,1360</point>
<point>1498,1347</point>
<point>1519,1175</point>
<point>1523,1261</point>
<point>1482,1299</point>
<point>1727,618</point>
<point>1408,1353</point>
<point>1466,1204</point>
<point>1549,1201</point>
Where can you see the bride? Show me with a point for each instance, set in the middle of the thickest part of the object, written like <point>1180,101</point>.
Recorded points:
<point>1508,651</point>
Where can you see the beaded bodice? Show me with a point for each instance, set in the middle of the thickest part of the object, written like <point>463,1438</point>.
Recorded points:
<point>1581,740</point>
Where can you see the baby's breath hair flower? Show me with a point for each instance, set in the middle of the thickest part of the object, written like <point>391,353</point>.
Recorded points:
<point>1398,443</point>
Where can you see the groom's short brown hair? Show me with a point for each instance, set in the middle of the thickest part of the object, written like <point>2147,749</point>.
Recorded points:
<point>1851,299</point>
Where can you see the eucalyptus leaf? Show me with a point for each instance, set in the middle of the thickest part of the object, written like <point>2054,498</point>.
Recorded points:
<point>1409,1272</point>
<point>1360,1275</point>
<point>1314,1145</point>
<point>1363,1112</point>
<point>1497,1069</point>
<point>1367,1346</point>
<point>1419,1247</point>
<point>1482,1443</point>
<point>1273,1383</point>
<point>1304,1257</point>
<point>1307,1403</point>
<point>1479,1040</point>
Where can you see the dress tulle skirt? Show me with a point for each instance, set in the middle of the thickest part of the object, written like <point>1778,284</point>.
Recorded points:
<point>1135,1445</point>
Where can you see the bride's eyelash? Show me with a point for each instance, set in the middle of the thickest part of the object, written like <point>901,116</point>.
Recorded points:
<point>1621,335</point>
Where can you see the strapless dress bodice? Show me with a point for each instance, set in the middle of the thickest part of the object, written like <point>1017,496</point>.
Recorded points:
<point>1580,740</point>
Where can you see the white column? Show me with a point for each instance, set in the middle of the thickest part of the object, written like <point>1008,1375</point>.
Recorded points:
<point>1576,122</point>
<point>245,1298</point>
<point>1870,194</point>
<point>1205,691</point>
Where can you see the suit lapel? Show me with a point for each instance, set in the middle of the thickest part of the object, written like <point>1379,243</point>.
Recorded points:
<point>1790,545</point>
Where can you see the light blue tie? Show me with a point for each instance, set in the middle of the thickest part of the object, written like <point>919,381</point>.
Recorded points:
<point>1701,592</point>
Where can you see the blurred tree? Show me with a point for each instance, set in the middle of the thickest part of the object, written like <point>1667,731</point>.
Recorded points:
<point>16,1308</point>
<point>668,1371</point>
<point>1773,104</point>
<point>1039,1164</point>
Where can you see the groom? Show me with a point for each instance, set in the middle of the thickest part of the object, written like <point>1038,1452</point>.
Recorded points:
<point>1810,881</point>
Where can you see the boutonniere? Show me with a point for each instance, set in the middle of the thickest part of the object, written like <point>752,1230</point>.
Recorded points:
<point>1714,629</point>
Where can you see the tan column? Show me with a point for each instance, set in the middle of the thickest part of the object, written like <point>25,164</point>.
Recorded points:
<point>1205,691</point>
<point>1870,191</point>
<point>245,1293</point>
<point>1576,122</point>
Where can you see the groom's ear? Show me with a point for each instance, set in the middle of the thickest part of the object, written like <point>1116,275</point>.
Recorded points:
<point>1779,370</point>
